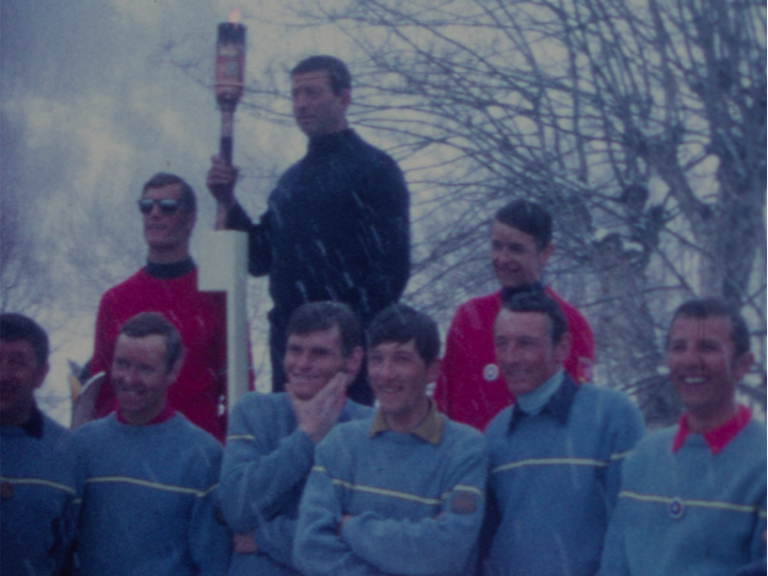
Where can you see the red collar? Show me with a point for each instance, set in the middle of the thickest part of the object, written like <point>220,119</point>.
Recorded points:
<point>718,438</point>
<point>164,416</point>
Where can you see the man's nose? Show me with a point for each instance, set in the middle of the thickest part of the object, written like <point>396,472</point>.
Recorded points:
<point>129,375</point>
<point>155,210</point>
<point>304,360</point>
<point>691,356</point>
<point>508,355</point>
<point>505,255</point>
<point>384,369</point>
<point>299,101</point>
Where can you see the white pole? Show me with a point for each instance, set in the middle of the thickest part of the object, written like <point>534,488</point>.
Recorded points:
<point>222,267</point>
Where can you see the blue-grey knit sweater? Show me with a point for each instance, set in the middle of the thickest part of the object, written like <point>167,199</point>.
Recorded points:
<point>417,507</point>
<point>149,502</point>
<point>555,478</point>
<point>690,513</point>
<point>40,488</point>
<point>266,462</point>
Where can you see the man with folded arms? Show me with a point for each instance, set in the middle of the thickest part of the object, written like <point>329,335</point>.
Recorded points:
<point>401,492</point>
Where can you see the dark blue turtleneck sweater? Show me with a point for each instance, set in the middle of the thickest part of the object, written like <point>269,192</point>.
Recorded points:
<point>337,228</point>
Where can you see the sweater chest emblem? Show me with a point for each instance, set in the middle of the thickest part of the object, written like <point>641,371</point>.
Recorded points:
<point>464,502</point>
<point>490,372</point>
<point>676,508</point>
<point>6,490</point>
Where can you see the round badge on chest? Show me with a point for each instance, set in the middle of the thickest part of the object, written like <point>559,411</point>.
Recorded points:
<point>490,372</point>
<point>676,508</point>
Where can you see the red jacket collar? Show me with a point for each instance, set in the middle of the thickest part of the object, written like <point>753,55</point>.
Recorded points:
<point>164,416</point>
<point>718,438</point>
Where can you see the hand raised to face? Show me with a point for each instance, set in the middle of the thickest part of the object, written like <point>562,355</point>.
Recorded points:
<point>320,413</point>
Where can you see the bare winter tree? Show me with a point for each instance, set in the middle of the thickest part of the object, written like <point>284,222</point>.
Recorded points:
<point>25,284</point>
<point>641,124</point>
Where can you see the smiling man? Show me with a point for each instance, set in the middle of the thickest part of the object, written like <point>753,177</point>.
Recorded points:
<point>272,437</point>
<point>150,475</point>
<point>693,498</point>
<point>40,484</point>
<point>402,492</point>
<point>337,224</point>
<point>470,388</point>
<point>556,454</point>
<point>168,284</point>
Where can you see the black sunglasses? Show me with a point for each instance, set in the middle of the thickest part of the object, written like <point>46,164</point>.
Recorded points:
<point>167,205</point>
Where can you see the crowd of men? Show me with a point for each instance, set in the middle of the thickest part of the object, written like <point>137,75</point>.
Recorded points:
<point>516,465</point>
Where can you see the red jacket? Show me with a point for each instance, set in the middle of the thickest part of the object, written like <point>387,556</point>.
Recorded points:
<point>470,388</point>
<point>200,318</point>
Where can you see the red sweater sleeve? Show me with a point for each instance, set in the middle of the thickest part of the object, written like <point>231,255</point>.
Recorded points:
<point>103,350</point>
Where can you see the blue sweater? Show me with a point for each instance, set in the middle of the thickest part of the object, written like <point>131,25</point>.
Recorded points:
<point>417,507</point>
<point>690,513</point>
<point>266,462</point>
<point>148,506</point>
<point>40,488</point>
<point>555,478</point>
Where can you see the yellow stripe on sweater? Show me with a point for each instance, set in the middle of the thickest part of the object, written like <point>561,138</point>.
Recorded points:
<point>397,493</point>
<point>241,437</point>
<point>465,488</point>
<point>148,484</point>
<point>695,503</point>
<point>386,492</point>
<point>39,482</point>
<point>620,455</point>
<point>550,462</point>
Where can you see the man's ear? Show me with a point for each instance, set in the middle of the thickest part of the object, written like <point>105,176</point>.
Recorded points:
<point>191,220</point>
<point>173,373</point>
<point>42,372</point>
<point>741,365</point>
<point>563,348</point>
<point>352,364</point>
<point>433,370</point>
<point>546,252</point>
<point>346,98</point>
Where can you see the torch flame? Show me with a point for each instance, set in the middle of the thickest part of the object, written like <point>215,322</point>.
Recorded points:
<point>234,16</point>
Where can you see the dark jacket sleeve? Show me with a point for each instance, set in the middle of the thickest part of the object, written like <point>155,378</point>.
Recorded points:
<point>259,247</point>
<point>387,231</point>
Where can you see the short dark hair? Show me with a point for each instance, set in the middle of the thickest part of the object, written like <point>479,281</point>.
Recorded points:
<point>153,323</point>
<point>529,217</point>
<point>338,72</point>
<point>315,316</point>
<point>702,308</point>
<point>15,327</point>
<point>188,198</point>
<point>539,301</point>
<point>401,323</point>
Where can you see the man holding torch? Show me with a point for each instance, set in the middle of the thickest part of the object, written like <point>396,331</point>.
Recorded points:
<point>337,224</point>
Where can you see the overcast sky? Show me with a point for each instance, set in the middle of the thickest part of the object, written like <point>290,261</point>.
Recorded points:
<point>92,105</point>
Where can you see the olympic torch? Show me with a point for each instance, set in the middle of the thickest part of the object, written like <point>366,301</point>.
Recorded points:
<point>230,72</point>
<point>223,260</point>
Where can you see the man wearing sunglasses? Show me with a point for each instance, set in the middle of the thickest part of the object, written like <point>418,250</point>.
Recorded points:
<point>168,284</point>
